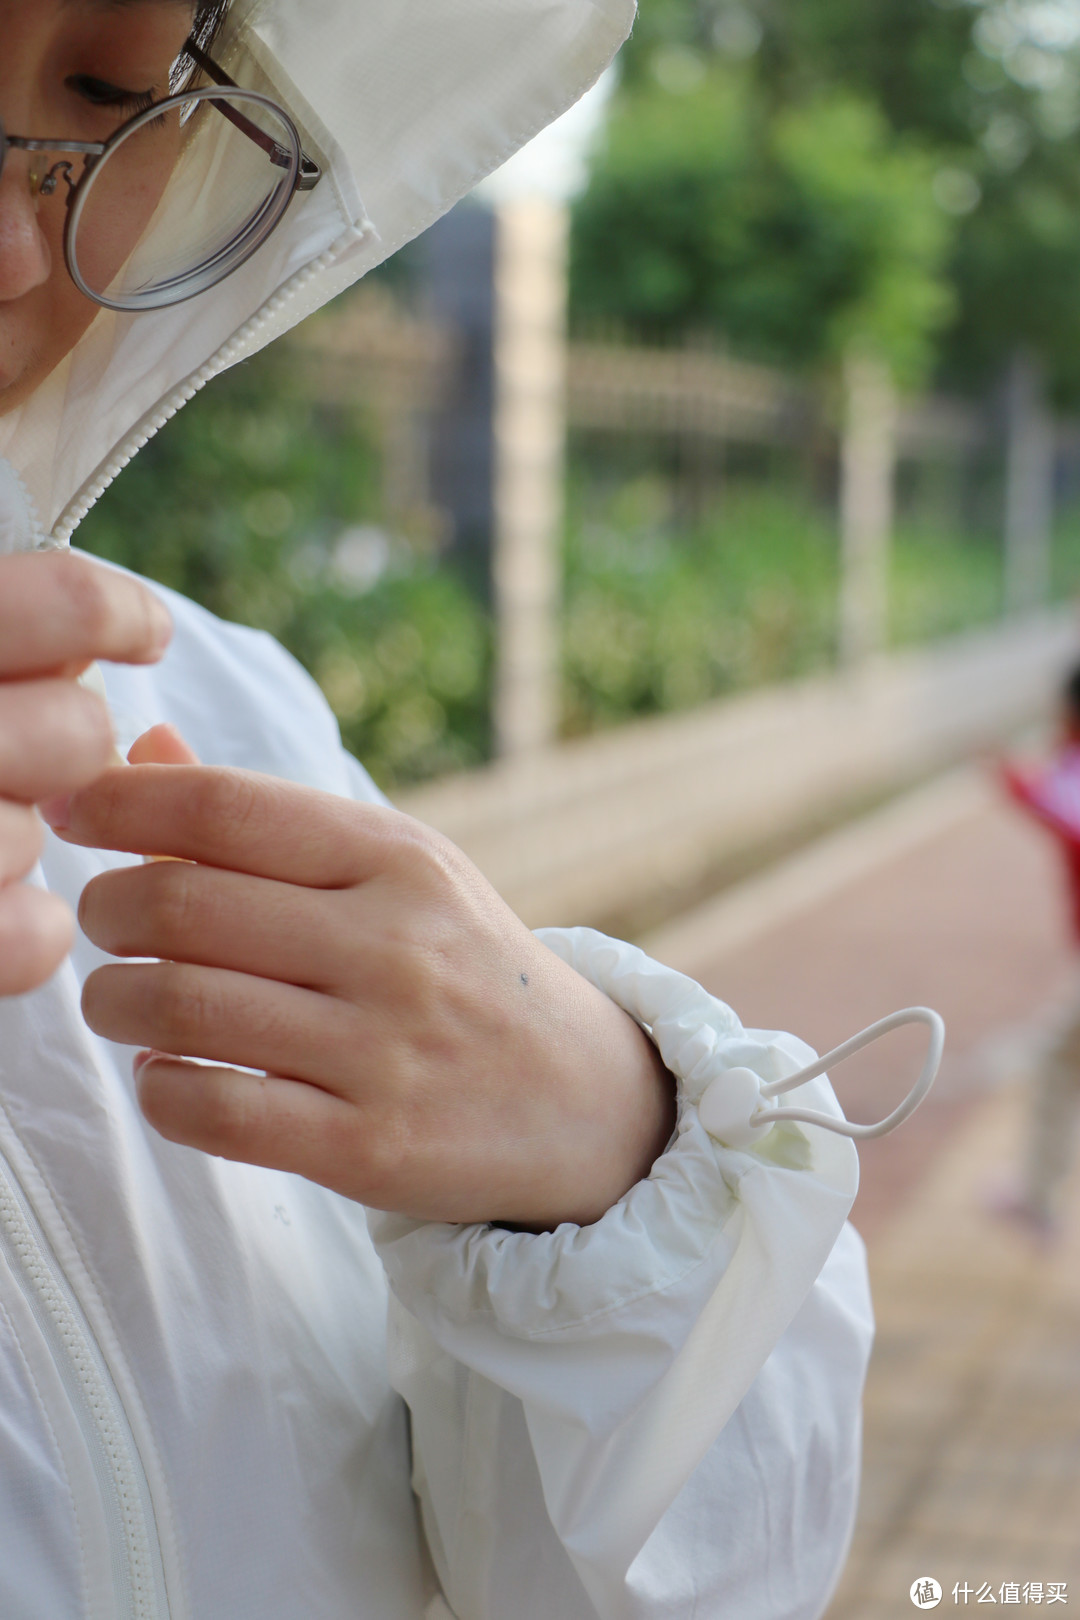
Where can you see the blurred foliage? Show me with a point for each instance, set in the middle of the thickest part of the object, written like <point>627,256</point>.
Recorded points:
<point>1066,581</point>
<point>264,508</point>
<point>777,177</point>
<point>241,504</point>
<point>941,582</point>
<point>789,233</point>
<point>658,619</point>
<point>969,107</point>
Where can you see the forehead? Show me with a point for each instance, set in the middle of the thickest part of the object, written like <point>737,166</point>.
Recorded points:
<point>140,15</point>
<point>113,9</point>
<point>128,5</point>
<point>27,26</point>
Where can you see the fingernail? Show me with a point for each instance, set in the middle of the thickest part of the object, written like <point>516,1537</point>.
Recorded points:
<point>57,813</point>
<point>140,1061</point>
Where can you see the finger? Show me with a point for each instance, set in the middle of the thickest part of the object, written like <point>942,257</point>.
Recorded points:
<point>21,839</point>
<point>36,932</point>
<point>199,914</point>
<point>161,745</point>
<point>236,819</point>
<point>282,1124</point>
<point>61,610</point>
<point>222,1016</point>
<point>54,737</point>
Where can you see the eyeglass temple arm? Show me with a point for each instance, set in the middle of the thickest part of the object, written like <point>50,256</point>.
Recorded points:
<point>310,172</point>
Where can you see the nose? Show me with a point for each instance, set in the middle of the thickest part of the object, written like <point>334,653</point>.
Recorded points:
<point>25,257</point>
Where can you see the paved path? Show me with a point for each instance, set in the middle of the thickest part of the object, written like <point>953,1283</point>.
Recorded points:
<point>972,1456</point>
<point>972,1461</point>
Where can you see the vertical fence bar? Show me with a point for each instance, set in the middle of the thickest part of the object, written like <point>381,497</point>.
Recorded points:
<point>457,257</point>
<point>867,476</point>
<point>530,435</point>
<point>1029,488</point>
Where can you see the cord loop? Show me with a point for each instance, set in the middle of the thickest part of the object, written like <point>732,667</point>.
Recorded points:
<point>738,1107</point>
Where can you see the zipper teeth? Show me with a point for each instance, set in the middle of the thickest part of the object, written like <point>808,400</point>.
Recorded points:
<point>130,1496</point>
<point>227,355</point>
<point>37,532</point>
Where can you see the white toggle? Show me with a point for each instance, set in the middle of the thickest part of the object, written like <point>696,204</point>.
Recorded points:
<point>733,1110</point>
<point>738,1107</point>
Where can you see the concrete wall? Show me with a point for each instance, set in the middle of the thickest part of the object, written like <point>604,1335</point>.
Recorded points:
<point>623,825</point>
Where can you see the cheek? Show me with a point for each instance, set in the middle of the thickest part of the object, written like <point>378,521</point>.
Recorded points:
<point>38,330</point>
<point>121,205</point>
<point>67,311</point>
<point>71,314</point>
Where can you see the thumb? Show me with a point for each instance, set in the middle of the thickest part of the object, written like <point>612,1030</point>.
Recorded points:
<point>161,745</point>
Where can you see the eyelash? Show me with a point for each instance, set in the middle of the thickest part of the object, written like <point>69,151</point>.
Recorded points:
<point>101,94</point>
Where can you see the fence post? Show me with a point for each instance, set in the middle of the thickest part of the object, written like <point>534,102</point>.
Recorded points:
<point>1029,488</point>
<point>530,433</point>
<point>867,473</point>
<point>458,281</point>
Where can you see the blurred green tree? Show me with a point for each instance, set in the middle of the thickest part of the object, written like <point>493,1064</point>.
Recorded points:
<point>789,232</point>
<point>264,506</point>
<point>969,107</point>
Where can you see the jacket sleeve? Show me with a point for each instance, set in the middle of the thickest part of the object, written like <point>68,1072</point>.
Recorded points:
<point>657,1415</point>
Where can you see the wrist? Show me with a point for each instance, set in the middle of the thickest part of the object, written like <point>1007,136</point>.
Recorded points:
<point>627,1121</point>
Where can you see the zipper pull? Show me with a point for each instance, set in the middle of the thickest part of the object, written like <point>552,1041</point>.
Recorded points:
<point>92,680</point>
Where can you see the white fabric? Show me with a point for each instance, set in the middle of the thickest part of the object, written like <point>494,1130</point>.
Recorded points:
<point>201,1364</point>
<point>654,1417</point>
<point>735,1242</point>
<point>409,103</point>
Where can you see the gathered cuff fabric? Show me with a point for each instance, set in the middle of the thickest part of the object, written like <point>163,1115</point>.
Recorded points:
<point>631,1342</point>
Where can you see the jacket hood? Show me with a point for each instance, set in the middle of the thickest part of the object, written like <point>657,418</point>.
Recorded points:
<point>408,104</point>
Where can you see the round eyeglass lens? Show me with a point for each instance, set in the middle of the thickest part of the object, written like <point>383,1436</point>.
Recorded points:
<point>188,193</point>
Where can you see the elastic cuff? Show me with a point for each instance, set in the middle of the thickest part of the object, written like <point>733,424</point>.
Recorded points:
<point>672,1233</point>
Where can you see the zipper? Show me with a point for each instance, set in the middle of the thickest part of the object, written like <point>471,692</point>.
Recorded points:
<point>135,1552</point>
<point>228,355</point>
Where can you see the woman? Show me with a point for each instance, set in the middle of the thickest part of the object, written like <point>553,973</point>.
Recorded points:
<point>642,1402</point>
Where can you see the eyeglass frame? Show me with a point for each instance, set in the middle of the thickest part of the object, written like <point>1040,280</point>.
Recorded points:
<point>307,176</point>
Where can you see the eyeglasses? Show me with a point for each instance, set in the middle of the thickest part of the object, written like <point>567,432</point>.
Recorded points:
<point>173,203</point>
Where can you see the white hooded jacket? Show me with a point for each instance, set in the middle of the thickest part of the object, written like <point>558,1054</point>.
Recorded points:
<point>228,1394</point>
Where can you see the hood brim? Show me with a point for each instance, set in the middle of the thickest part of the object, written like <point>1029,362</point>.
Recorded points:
<point>409,104</point>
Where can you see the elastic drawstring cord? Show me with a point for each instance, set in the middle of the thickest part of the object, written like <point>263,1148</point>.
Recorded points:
<point>884,1026</point>
<point>731,1108</point>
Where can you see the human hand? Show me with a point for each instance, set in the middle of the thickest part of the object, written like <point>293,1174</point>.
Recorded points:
<point>423,1052</point>
<point>58,613</point>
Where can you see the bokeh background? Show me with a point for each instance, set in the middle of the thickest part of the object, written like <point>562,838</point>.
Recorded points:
<point>680,524</point>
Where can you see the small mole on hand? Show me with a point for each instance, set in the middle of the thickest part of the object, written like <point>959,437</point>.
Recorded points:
<point>524,978</point>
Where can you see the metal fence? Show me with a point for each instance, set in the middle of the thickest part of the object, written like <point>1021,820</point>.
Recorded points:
<point>408,371</point>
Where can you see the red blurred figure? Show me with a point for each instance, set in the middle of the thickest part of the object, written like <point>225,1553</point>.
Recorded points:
<point>1052,796</point>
